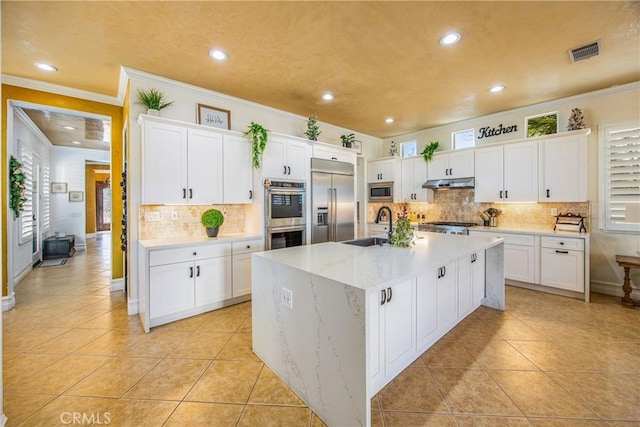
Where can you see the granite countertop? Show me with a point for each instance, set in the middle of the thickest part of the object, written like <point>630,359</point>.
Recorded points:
<point>542,231</point>
<point>176,243</point>
<point>369,267</point>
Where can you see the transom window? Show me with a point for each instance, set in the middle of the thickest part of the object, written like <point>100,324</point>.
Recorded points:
<point>463,139</point>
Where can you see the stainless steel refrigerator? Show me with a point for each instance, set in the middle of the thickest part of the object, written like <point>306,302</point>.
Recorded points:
<point>332,201</point>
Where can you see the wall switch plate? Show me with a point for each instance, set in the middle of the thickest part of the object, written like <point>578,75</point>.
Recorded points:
<point>287,298</point>
<point>174,215</point>
<point>152,216</point>
<point>554,211</point>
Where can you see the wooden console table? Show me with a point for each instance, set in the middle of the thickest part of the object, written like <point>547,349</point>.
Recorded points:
<point>628,262</point>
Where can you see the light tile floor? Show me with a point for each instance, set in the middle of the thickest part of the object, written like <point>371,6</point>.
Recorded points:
<point>70,349</point>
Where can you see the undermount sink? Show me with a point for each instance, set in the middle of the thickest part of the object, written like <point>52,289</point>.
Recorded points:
<point>368,241</point>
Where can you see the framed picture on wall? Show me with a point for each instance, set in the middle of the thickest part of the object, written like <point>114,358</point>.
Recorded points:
<point>58,187</point>
<point>76,196</point>
<point>214,117</point>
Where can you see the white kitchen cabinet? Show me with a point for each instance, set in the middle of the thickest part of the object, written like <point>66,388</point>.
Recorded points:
<point>383,170</point>
<point>447,296</point>
<point>237,170</point>
<point>452,164</point>
<point>414,174</point>
<point>171,289</point>
<point>212,280</point>
<point>241,264</point>
<point>563,169</point>
<point>507,173</point>
<point>520,255</point>
<point>563,263</point>
<point>395,318</point>
<point>427,310</point>
<point>286,158</point>
<point>325,151</point>
<point>470,283</point>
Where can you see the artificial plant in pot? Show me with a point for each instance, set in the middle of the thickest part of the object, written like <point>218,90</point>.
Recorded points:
<point>313,130</point>
<point>347,140</point>
<point>428,151</point>
<point>154,100</point>
<point>212,219</point>
<point>259,136</point>
<point>402,234</point>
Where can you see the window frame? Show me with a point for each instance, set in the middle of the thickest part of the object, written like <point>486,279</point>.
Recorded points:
<point>473,138</point>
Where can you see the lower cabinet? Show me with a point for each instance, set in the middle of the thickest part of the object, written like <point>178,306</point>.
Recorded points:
<point>171,288</point>
<point>470,283</point>
<point>242,265</point>
<point>563,263</point>
<point>212,280</point>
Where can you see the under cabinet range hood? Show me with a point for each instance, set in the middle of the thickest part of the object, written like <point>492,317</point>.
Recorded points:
<point>450,183</point>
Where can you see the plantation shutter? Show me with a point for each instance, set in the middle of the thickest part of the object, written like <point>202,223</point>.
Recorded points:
<point>26,217</point>
<point>621,177</point>
<point>45,214</point>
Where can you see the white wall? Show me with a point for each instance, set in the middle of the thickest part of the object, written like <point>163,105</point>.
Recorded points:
<point>618,104</point>
<point>68,165</point>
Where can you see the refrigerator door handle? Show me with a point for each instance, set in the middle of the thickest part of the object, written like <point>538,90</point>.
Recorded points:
<point>334,205</point>
<point>330,215</point>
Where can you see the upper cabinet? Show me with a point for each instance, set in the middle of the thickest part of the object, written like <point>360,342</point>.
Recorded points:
<point>563,169</point>
<point>414,174</point>
<point>328,152</point>
<point>286,158</point>
<point>507,173</point>
<point>454,164</point>
<point>383,170</point>
<point>238,170</point>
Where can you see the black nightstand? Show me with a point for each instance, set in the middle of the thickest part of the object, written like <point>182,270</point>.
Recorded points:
<point>59,247</point>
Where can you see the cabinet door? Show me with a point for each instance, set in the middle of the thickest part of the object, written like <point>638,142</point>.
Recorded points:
<point>426,310</point>
<point>330,153</point>
<point>447,297</point>
<point>407,180</point>
<point>419,177</point>
<point>438,167</point>
<point>563,269</point>
<point>297,160</point>
<point>520,172</point>
<point>489,164</point>
<point>164,164</point>
<point>399,323</point>
<point>238,170</point>
<point>204,167</point>
<point>563,169</point>
<point>381,171</point>
<point>461,164</point>
<point>273,159</point>
<point>373,172</point>
<point>171,288</point>
<point>213,280</point>
<point>241,274</point>
<point>519,263</point>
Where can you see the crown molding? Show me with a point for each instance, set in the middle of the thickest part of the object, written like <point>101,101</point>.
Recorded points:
<point>59,90</point>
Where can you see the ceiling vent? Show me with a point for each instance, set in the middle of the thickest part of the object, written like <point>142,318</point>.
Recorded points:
<point>585,52</point>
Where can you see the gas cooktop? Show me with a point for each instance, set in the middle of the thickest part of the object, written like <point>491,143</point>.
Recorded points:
<point>447,227</point>
<point>451,223</point>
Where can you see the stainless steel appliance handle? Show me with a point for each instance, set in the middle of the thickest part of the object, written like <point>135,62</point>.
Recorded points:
<point>279,229</point>
<point>330,214</point>
<point>334,205</point>
<point>293,191</point>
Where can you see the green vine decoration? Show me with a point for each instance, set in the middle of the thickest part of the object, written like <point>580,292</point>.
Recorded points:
<point>16,184</point>
<point>259,136</point>
<point>428,151</point>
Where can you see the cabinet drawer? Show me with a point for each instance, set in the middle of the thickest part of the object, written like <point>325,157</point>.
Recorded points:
<point>247,246</point>
<point>563,243</point>
<point>510,239</point>
<point>170,256</point>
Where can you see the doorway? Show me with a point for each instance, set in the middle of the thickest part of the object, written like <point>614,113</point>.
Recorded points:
<point>103,205</point>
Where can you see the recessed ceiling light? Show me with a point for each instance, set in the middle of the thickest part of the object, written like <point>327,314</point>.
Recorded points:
<point>389,120</point>
<point>496,88</point>
<point>44,66</point>
<point>450,39</point>
<point>69,127</point>
<point>76,142</point>
<point>327,96</point>
<point>218,55</point>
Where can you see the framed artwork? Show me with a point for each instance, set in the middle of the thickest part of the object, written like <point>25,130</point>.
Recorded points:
<point>214,117</point>
<point>541,124</point>
<point>76,196</point>
<point>58,187</point>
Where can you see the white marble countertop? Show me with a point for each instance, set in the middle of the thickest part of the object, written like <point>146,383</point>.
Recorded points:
<point>368,267</point>
<point>542,231</point>
<point>177,243</point>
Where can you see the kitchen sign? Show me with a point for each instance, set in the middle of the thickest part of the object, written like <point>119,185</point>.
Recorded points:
<point>487,132</point>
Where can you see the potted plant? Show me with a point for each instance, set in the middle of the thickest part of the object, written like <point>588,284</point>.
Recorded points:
<point>402,234</point>
<point>313,131</point>
<point>347,140</point>
<point>259,136</point>
<point>428,151</point>
<point>212,219</point>
<point>154,100</point>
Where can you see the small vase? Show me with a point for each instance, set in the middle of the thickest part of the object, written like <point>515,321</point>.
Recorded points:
<point>212,232</point>
<point>152,112</point>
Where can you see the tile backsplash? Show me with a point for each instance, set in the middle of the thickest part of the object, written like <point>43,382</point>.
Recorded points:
<point>188,224</point>
<point>458,205</point>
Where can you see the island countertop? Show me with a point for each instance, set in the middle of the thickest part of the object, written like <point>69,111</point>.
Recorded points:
<point>369,267</point>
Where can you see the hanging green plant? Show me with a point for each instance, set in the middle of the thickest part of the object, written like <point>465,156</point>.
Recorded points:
<point>428,151</point>
<point>313,130</point>
<point>17,186</point>
<point>259,136</point>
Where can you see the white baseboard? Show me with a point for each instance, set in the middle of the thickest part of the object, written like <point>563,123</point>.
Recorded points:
<point>614,289</point>
<point>116,285</point>
<point>90,235</point>
<point>9,302</point>
<point>132,307</point>
<point>81,246</point>
<point>22,274</point>
<point>3,420</point>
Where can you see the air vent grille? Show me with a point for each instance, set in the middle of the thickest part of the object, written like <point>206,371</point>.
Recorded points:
<point>585,52</point>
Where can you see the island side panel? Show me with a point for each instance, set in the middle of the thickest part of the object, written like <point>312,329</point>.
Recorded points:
<point>318,346</point>
<point>494,277</point>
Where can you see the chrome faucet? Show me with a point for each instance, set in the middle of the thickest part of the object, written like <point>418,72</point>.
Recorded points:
<point>379,214</point>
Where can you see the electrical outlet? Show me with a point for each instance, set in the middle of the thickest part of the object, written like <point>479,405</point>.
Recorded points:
<point>174,215</point>
<point>152,216</point>
<point>287,298</point>
<point>554,211</point>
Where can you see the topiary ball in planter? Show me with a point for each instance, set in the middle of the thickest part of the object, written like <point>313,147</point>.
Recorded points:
<point>212,219</point>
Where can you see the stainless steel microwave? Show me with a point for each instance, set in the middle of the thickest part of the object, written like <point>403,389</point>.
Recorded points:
<point>381,192</point>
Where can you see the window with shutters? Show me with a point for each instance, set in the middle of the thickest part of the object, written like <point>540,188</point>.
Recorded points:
<point>26,217</point>
<point>620,177</point>
<point>45,214</point>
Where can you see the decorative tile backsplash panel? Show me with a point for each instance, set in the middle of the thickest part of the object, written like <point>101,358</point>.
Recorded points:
<point>458,205</point>
<point>188,224</point>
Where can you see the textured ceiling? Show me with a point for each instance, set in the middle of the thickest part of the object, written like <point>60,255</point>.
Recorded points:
<point>379,58</point>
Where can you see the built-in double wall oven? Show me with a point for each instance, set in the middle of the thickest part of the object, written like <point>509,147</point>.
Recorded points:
<point>285,214</point>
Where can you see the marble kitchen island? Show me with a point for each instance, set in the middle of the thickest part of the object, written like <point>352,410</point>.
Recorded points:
<point>337,322</point>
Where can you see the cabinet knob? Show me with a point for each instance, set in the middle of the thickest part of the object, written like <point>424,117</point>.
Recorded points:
<point>562,243</point>
<point>195,253</point>
<point>248,246</point>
